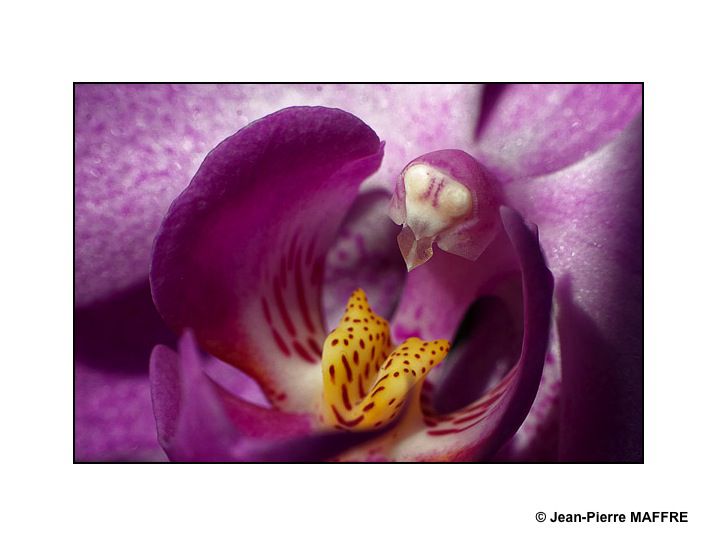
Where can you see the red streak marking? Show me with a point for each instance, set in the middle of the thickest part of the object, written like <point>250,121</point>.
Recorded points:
<point>484,402</point>
<point>369,406</point>
<point>347,368</point>
<point>383,378</point>
<point>314,346</point>
<point>302,352</point>
<point>316,275</point>
<point>310,250</point>
<point>449,431</point>
<point>291,253</point>
<point>299,286</point>
<point>281,307</point>
<point>344,422</point>
<point>280,343</point>
<point>283,272</point>
<point>361,390</point>
<point>332,373</point>
<point>282,396</point>
<point>471,417</point>
<point>430,423</point>
<point>266,311</point>
<point>367,370</point>
<point>377,390</point>
<point>346,399</point>
<point>356,358</point>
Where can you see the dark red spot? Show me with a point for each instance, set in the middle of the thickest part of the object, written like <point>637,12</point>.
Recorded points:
<point>369,406</point>
<point>348,371</point>
<point>391,401</point>
<point>396,374</point>
<point>349,423</point>
<point>332,373</point>
<point>345,341</point>
<point>362,344</point>
<point>406,362</point>
<point>346,399</point>
<point>334,342</point>
<point>417,355</point>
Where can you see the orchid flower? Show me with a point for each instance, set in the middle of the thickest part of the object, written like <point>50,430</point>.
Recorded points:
<point>280,260</point>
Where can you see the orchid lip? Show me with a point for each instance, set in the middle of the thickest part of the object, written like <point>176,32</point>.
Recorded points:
<point>367,381</point>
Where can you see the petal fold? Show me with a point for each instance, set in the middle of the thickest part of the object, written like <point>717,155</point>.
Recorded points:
<point>239,258</point>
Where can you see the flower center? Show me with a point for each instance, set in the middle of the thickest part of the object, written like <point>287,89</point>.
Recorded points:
<point>366,380</point>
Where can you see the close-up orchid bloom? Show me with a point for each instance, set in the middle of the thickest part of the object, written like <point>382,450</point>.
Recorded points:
<point>304,273</point>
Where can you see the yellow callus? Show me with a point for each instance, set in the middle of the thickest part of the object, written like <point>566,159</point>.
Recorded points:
<point>365,379</point>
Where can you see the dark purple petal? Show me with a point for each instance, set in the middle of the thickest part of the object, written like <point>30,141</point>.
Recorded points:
<point>533,129</point>
<point>113,413</point>
<point>239,258</point>
<point>137,146</point>
<point>590,218</point>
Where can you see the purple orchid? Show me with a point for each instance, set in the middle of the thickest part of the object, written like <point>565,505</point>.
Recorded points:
<point>283,236</point>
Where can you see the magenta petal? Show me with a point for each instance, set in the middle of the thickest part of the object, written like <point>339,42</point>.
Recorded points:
<point>590,218</point>
<point>533,129</point>
<point>137,146</point>
<point>239,258</point>
<point>197,420</point>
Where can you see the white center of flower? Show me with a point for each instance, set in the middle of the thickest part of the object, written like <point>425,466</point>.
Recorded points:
<point>434,201</point>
